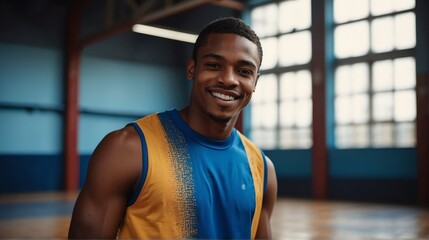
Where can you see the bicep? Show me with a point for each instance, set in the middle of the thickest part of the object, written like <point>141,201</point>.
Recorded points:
<point>270,196</point>
<point>93,218</point>
<point>101,204</point>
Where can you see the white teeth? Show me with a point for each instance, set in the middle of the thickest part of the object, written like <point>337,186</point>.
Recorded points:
<point>223,96</point>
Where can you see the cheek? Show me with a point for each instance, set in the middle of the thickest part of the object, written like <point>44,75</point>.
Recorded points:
<point>249,87</point>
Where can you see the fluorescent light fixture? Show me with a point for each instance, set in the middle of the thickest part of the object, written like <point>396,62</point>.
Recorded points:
<point>165,33</point>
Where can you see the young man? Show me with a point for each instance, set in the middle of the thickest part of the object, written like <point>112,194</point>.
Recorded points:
<point>188,173</point>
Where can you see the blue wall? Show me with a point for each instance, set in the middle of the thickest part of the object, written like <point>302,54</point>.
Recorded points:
<point>113,92</point>
<point>30,76</point>
<point>119,87</point>
<point>384,175</point>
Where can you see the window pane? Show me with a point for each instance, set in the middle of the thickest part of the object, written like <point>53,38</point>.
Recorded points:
<point>352,136</point>
<point>295,48</point>
<point>405,105</point>
<point>360,108</point>
<point>401,5</point>
<point>295,85</point>
<point>382,109</point>
<point>379,7</point>
<point>382,75</point>
<point>352,79</point>
<point>343,109</point>
<point>348,10</point>
<point>361,136</point>
<point>351,40</point>
<point>264,102</point>
<point>304,138</point>
<point>269,113</point>
<point>344,136</point>
<point>303,84</point>
<point>295,138</point>
<point>296,106</point>
<point>361,77</point>
<point>266,90</point>
<point>382,34</point>
<point>405,31</point>
<point>294,15</point>
<point>303,113</point>
<point>382,135</point>
<point>287,138</point>
<point>256,118</point>
<point>405,73</point>
<point>343,75</point>
<point>287,85</point>
<point>265,139</point>
<point>287,113</point>
<point>405,134</point>
<point>270,53</point>
<point>264,115</point>
<point>264,20</point>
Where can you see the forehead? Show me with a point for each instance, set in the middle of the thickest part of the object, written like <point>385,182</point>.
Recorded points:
<point>228,44</point>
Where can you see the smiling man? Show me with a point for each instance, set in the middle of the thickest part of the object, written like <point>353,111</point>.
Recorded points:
<point>187,173</point>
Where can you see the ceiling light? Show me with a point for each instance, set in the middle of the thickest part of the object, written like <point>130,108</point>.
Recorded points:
<point>165,33</point>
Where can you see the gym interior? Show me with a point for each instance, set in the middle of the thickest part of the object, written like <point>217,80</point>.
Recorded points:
<point>341,106</point>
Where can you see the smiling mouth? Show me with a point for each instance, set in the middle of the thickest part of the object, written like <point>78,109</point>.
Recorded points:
<point>223,96</point>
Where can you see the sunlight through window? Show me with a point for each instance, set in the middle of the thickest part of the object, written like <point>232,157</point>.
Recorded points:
<point>284,120</point>
<point>351,40</point>
<point>295,48</point>
<point>295,15</point>
<point>349,10</point>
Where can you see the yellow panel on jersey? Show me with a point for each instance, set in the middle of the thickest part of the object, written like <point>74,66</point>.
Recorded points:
<point>194,187</point>
<point>258,175</point>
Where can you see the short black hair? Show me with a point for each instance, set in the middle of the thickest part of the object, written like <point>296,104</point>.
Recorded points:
<point>227,25</point>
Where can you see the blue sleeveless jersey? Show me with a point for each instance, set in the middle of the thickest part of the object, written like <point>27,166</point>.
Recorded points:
<point>192,186</point>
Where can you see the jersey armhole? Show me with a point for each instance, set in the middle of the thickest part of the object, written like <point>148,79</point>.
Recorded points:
<point>265,171</point>
<point>144,164</point>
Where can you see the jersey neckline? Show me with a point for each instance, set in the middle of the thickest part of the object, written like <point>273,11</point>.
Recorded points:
<point>195,136</point>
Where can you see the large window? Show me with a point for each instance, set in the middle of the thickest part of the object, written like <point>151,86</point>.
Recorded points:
<point>375,78</point>
<point>374,74</point>
<point>281,107</point>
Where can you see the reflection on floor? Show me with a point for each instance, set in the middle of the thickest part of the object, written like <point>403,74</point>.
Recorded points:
<point>47,215</point>
<point>305,219</point>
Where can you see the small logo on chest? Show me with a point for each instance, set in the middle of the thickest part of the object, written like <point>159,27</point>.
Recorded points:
<point>243,186</point>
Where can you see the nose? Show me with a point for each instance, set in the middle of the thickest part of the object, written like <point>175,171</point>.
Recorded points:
<point>228,77</point>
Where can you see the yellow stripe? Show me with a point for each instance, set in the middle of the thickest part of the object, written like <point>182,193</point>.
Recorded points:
<point>257,168</point>
<point>142,220</point>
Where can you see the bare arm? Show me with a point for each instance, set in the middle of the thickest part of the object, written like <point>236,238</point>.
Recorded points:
<point>270,196</point>
<point>113,172</point>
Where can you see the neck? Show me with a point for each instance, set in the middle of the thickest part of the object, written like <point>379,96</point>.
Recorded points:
<point>207,126</point>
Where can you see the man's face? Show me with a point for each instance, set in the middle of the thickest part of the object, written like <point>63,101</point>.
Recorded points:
<point>225,75</point>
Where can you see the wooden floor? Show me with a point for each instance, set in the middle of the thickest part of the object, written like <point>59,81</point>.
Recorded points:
<point>47,216</point>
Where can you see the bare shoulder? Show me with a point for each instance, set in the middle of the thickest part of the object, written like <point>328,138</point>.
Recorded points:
<point>113,171</point>
<point>126,137</point>
<point>123,143</point>
<point>119,147</point>
<point>116,160</point>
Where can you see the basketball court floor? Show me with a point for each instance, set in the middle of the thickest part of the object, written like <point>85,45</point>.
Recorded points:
<point>47,216</point>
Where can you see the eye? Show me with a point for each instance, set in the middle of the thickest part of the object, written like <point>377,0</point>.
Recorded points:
<point>245,72</point>
<point>212,65</point>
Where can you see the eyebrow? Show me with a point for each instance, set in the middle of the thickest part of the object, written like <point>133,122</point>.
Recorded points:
<point>220,57</point>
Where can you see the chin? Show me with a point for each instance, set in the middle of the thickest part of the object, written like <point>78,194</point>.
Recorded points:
<point>221,117</point>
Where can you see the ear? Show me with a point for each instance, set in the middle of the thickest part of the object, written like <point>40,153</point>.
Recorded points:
<point>190,69</point>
